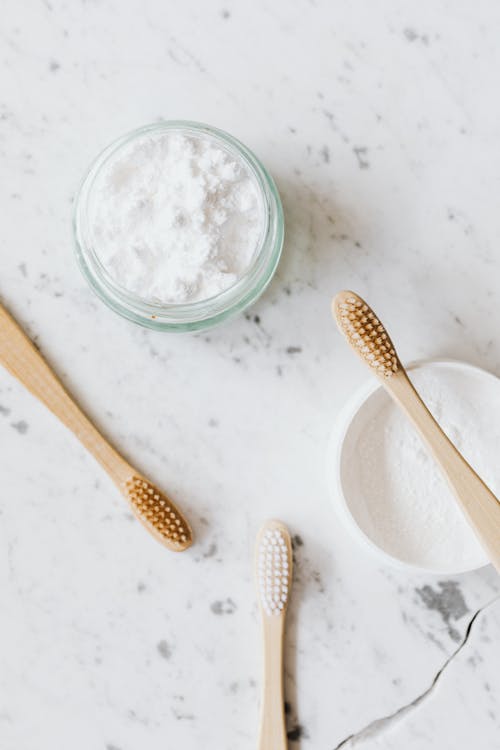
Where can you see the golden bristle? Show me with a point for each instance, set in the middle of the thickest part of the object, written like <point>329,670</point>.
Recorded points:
<point>158,514</point>
<point>365,333</point>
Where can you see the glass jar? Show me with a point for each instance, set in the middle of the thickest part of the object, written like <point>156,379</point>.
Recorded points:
<point>188,316</point>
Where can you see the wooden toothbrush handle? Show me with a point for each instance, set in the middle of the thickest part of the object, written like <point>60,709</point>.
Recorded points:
<point>272,723</point>
<point>20,357</point>
<point>479,504</point>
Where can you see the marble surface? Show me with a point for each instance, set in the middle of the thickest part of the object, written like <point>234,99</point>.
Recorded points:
<point>379,122</point>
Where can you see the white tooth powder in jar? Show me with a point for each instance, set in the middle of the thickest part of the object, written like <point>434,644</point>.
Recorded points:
<point>388,487</point>
<point>178,225</point>
<point>177,217</point>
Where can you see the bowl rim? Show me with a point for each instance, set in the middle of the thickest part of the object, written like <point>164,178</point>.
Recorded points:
<point>343,421</point>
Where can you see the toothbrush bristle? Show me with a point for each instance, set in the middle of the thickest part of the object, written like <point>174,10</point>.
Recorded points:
<point>273,571</point>
<point>158,513</point>
<point>365,333</point>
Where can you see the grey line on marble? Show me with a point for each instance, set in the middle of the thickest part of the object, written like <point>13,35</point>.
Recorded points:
<point>164,650</point>
<point>378,726</point>
<point>297,733</point>
<point>295,730</point>
<point>211,551</point>
<point>412,36</point>
<point>226,607</point>
<point>360,152</point>
<point>448,602</point>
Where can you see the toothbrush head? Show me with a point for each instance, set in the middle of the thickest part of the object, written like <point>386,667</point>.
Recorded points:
<point>274,568</point>
<point>158,514</point>
<point>365,333</point>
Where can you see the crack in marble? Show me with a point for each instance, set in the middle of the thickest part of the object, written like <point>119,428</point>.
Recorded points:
<point>378,726</point>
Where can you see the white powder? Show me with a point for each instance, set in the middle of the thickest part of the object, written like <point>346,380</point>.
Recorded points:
<point>394,488</point>
<point>176,217</point>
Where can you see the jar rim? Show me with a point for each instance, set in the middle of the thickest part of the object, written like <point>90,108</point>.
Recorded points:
<point>200,313</point>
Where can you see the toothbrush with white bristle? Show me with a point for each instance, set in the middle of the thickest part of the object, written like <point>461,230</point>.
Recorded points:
<point>274,578</point>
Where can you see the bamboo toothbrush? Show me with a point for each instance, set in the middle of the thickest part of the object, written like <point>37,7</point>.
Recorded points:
<point>274,578</point>
<point>368,337</point>
<point>153,509</point>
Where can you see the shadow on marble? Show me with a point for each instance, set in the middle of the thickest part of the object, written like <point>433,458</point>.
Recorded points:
<point>307,575</point>
<point>322,238</point>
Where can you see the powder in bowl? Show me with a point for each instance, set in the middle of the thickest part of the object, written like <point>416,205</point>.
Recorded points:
<point>176,217</point>
<point>393,488</point>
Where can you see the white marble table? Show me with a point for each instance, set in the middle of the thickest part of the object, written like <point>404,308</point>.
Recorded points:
<point>379,122</point>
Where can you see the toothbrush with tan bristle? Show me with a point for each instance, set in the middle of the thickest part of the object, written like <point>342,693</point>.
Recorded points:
<point>369,339</point>
<point>274,579</point>
<point>154,510</point>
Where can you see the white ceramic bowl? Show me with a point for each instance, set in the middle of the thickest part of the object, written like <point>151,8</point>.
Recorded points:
<point>354,408</point>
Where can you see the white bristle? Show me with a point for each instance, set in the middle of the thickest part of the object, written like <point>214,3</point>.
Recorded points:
<point>273,571</point>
